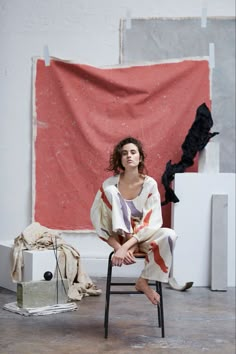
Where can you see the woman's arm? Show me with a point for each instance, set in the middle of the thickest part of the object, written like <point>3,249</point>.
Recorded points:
<point>123,254</point>
<point>113,243</point>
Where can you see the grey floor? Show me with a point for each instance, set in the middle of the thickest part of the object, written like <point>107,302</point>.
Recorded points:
<point>196,321</point>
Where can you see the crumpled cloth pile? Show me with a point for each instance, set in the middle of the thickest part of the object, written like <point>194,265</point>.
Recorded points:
<point>38,237</point>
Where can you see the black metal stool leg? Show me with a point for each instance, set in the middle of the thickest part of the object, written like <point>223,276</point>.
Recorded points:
<point>108,289</point>
<point>161,309</point>
<point>158,306</point>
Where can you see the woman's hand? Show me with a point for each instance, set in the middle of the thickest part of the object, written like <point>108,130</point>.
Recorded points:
<point>118,257</point>
<point>129,259</point>
<point>122,256</point>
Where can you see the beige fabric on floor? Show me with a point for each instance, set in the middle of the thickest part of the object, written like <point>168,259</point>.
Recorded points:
<point>38,237</point>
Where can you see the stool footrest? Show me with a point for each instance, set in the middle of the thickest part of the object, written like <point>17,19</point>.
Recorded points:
<point>126,292</point>
<point>115,284</point>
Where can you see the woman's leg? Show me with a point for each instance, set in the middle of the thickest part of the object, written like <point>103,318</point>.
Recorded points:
<point>152,295</point>
<point>159,249</point>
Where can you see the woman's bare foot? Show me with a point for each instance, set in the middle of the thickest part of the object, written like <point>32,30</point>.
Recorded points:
<point>152,295</point>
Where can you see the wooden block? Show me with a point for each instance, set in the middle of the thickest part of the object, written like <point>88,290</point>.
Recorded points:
<point>41,293</point>
<point>219,241</point>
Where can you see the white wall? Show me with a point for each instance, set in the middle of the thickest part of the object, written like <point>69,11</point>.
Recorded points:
<point>86,31</point>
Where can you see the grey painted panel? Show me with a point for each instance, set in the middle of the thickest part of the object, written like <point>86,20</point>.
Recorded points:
<point>151,40</point>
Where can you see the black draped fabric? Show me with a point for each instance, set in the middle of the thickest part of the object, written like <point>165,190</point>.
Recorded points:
<point>197,138</point>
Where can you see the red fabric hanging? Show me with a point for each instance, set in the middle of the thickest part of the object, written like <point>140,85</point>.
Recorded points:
<point>81,111</point>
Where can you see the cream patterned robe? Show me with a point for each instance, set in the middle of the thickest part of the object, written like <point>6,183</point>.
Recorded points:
<point>112,215</point>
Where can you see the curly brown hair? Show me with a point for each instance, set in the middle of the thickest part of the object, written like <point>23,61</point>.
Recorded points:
<point>115,164</point>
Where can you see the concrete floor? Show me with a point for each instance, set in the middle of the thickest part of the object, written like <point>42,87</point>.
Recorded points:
<point>196,321</point>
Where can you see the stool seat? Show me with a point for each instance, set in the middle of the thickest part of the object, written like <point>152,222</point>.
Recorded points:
<point>139,254</point>
<point>109,292</point>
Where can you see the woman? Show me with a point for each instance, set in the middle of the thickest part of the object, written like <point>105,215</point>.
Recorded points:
<point>126,213</point>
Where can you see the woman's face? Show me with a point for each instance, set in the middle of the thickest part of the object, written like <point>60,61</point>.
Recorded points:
<point>130,156</point>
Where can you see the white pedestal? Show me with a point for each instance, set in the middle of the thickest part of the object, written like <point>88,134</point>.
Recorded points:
<point>36,263</point>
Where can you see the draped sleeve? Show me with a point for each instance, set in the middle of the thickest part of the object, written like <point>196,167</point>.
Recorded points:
<point>101,208</point>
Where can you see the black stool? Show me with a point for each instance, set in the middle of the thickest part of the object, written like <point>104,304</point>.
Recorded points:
<point>160,310</point>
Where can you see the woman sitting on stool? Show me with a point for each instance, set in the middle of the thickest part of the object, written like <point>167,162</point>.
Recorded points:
<point>126,213</point>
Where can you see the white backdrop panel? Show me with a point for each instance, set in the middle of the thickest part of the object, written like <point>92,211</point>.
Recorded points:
<point>191,219</point>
